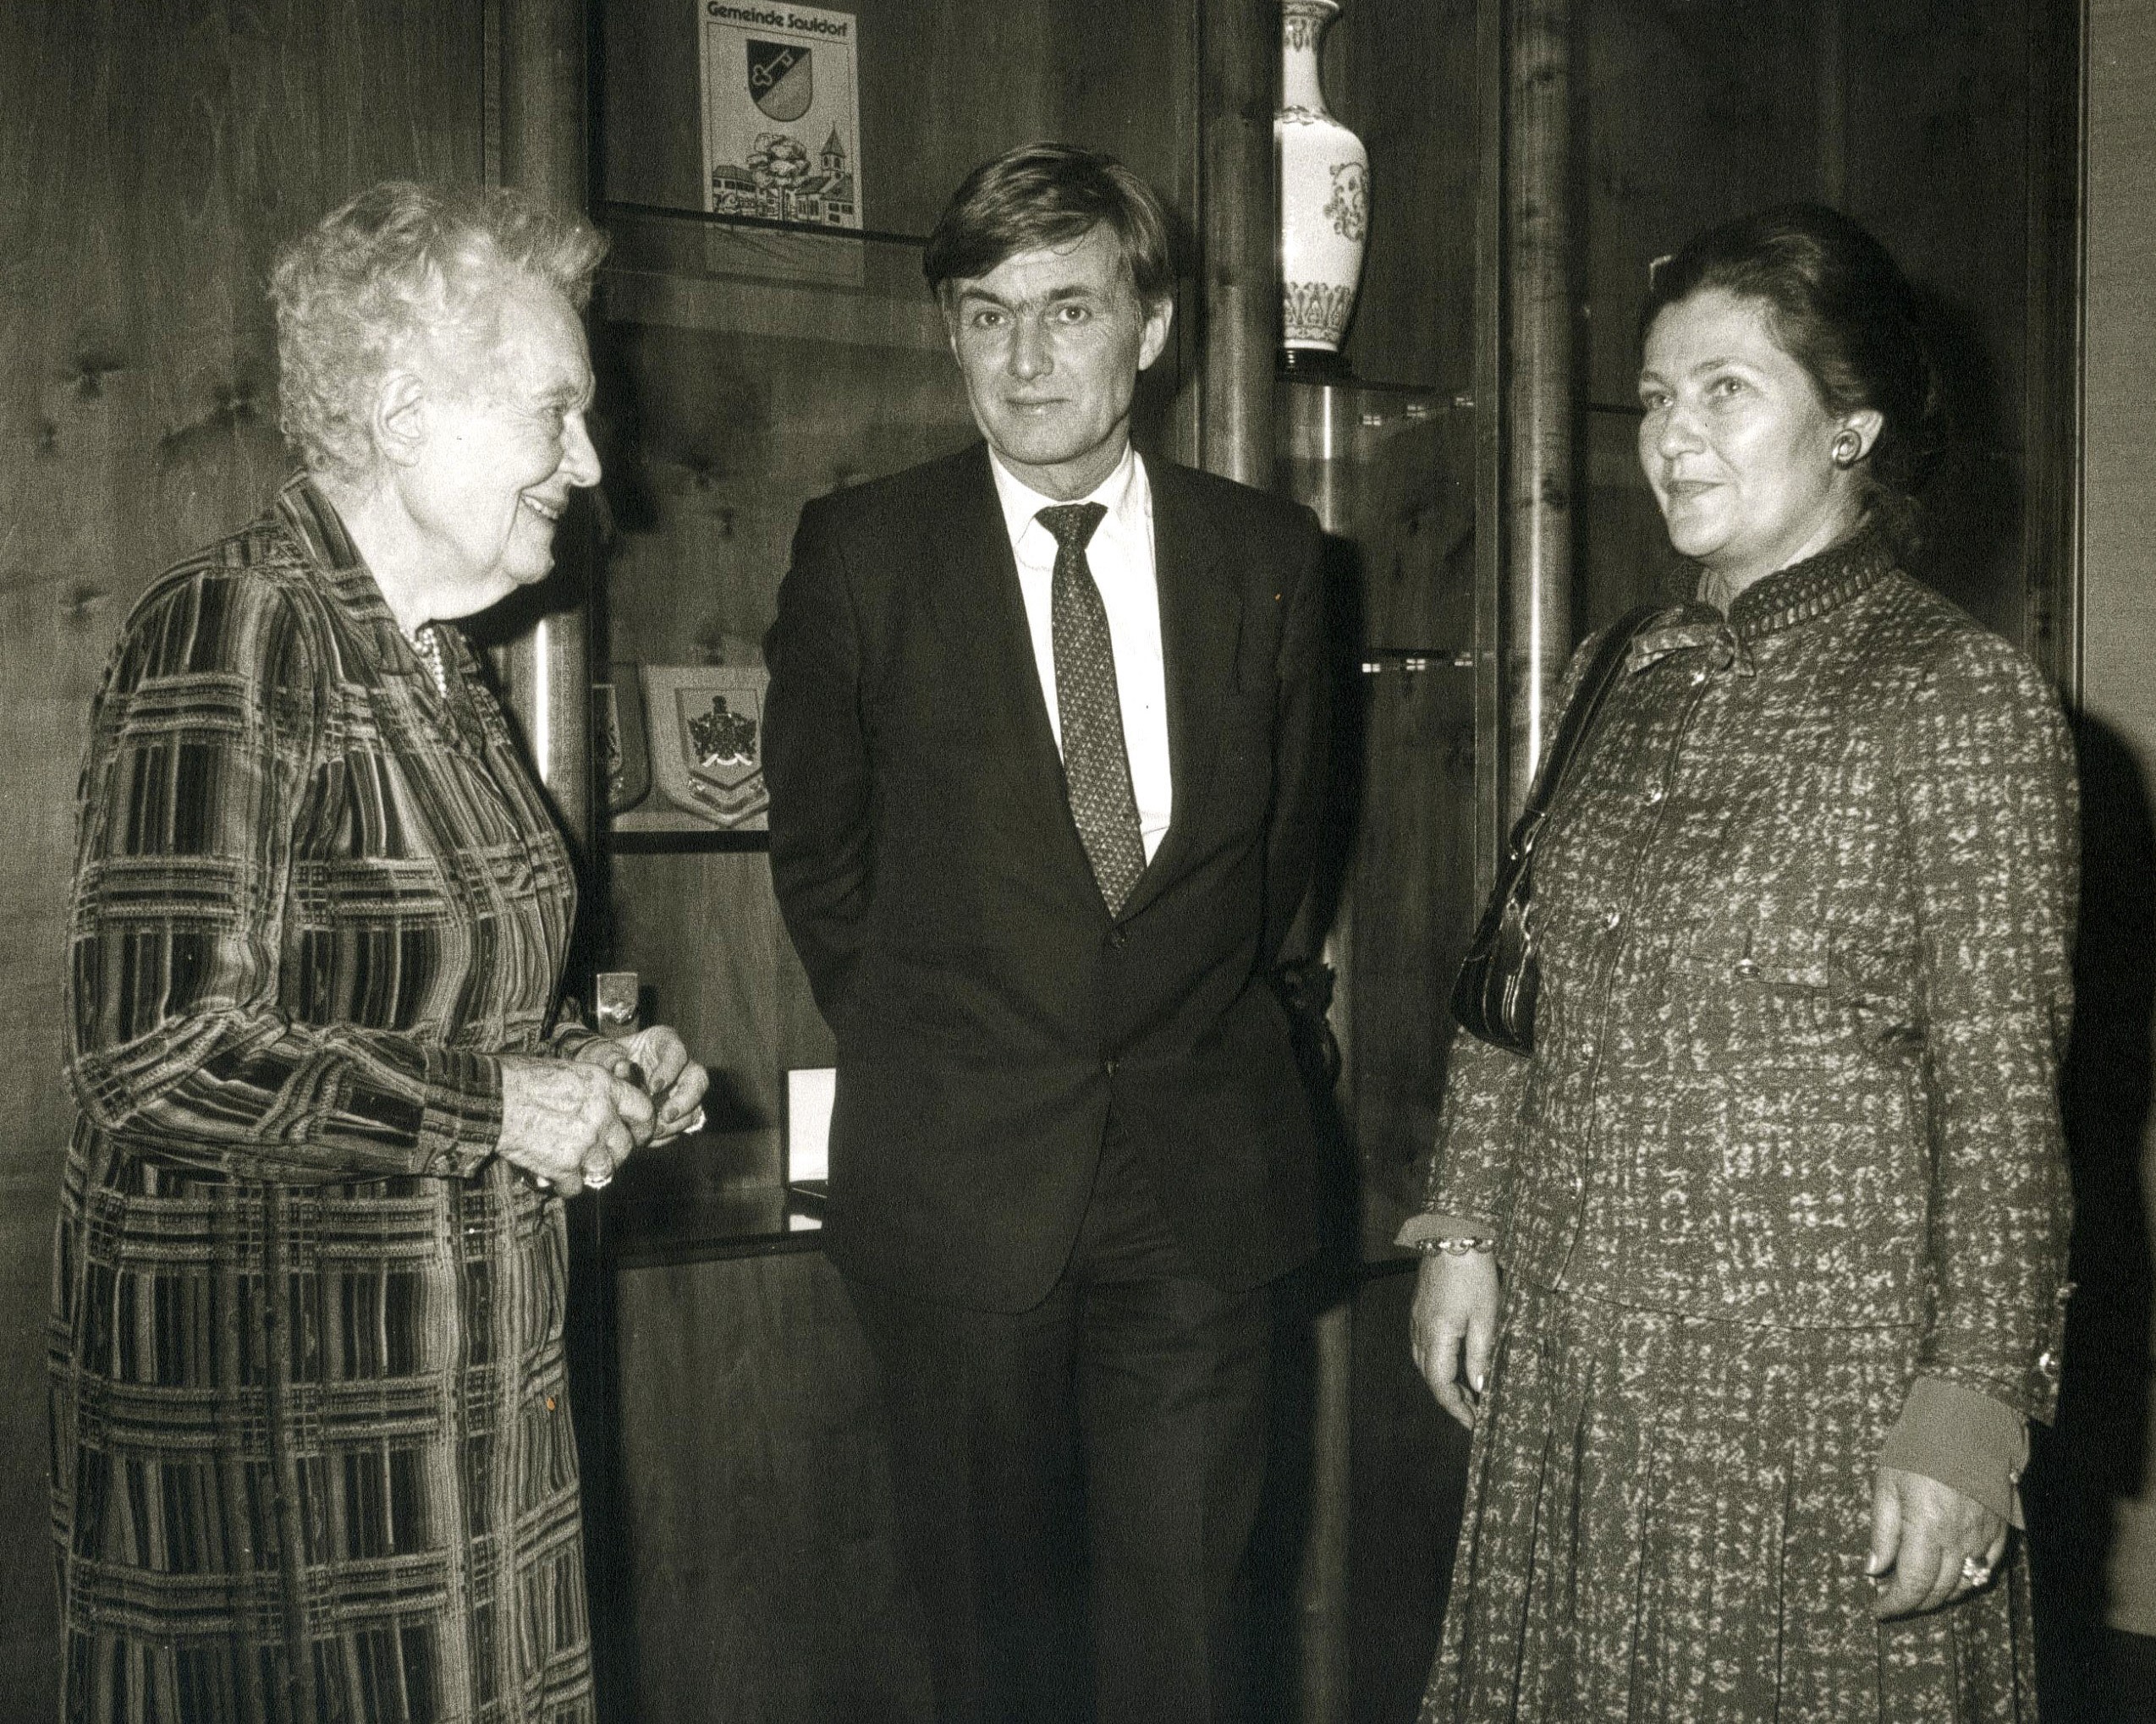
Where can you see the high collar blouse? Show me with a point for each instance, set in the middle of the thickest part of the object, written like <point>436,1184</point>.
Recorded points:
<point>1804,909</point>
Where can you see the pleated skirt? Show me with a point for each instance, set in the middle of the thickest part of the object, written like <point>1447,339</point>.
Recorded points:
<point>1668,1519</point>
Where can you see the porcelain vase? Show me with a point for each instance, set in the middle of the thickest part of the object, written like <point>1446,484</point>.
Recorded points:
<point>1324,194</point>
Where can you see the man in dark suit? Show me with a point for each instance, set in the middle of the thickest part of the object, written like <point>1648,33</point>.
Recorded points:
<point>1045,738</point>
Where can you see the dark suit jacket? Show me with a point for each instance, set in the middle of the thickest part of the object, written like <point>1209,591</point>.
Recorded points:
<point>990,1014</point>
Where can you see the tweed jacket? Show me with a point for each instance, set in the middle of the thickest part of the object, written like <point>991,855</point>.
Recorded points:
<point>1806,909</point>
<point>312,1455</point>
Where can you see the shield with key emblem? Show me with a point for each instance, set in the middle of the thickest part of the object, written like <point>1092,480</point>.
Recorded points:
<point>782,78</point>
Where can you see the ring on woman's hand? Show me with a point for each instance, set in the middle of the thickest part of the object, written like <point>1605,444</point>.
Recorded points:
<point>598,1181</point>
<point>1975,1571</point>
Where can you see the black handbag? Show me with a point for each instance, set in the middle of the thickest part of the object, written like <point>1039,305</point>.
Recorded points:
<point>1494,996</point>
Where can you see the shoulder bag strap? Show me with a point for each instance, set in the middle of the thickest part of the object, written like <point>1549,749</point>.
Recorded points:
<point>1572,730</point>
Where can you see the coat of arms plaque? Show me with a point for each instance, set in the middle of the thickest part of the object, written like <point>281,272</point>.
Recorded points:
<point>707,741</point>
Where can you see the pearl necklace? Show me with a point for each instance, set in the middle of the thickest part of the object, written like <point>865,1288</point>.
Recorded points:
<point>429,649</point>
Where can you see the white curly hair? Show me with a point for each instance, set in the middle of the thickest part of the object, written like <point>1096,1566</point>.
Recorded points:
<point>403,263</point>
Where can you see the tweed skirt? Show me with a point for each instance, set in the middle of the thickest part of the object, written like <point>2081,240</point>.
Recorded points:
<point>1668,1519</point>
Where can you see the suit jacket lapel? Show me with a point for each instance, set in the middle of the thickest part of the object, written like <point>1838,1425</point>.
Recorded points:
<point>978,607</point>
<point>1201,625</point>
<point>980,611</point>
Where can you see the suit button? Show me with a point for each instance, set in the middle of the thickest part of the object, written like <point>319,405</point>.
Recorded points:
<point>1653,795</point>
<point>2046,1363</point>
<point>1612,920</point>
<point>1118,938</point>
<point>1110,1066</point>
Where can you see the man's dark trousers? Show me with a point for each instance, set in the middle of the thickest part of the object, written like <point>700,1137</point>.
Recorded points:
<point>1099,1458</point>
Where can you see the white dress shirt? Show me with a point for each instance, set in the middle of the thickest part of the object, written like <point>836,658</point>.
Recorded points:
<point>1121,557</point>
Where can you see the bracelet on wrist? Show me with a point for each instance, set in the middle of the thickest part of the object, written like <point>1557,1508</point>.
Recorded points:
<point>1455,1244</point>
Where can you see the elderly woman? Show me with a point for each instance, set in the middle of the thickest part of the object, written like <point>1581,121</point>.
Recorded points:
<point>1777,1200</point>
<point>312,1449</point>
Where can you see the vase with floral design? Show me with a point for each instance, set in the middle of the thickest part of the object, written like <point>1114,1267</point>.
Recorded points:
<point>1324,196</point>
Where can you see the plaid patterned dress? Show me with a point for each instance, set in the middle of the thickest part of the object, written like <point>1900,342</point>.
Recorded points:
<point>312,1457</point>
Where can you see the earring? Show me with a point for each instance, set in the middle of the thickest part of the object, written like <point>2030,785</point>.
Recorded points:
<point>1847,446</point>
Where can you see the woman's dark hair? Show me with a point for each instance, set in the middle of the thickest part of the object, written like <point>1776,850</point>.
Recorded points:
<point>1043,194</point>
<point>1842,310</point>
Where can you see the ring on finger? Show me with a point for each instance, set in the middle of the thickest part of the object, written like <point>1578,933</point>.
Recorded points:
<point>1975,1571</point>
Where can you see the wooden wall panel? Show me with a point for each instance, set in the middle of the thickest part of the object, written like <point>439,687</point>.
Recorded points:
<point>1396,886</point>
<point>754,1474</point>
<point>157,153</point>
<point>2108,1418</point>
<point>944,84</point>
<point>1939,127</point>
<point>1401,75</point>
<point>703,933</point>
<point>1409,1467</point>
<point>1692,115</point>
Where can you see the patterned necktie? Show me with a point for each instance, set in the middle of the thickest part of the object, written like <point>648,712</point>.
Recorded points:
<point>1096,765</point>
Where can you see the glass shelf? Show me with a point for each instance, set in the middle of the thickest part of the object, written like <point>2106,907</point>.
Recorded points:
<point>1390,472</point>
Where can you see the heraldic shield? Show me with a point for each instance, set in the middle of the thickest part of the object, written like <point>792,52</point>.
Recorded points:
<point>721,741</point>
<point>707,738</point>
<point>782,78</point>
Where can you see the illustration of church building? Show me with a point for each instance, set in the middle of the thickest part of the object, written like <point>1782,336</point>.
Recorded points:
<point>826,197</point>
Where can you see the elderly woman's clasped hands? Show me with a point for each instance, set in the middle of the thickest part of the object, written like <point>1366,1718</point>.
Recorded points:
<point>570,1124</point>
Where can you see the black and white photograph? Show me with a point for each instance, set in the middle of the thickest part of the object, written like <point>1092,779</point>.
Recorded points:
<point>1078,861</point>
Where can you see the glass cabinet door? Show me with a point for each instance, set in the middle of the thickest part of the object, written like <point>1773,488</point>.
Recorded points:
<point>1390,473</point>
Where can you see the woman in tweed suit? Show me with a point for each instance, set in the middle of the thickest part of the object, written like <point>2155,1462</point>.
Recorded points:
<point>312,1447</point>
<point>1778,1200</point>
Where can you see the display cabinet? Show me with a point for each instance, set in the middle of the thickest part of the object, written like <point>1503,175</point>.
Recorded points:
<point>750,369</point>
<point>1391,473</point>
<point>741,1515</point>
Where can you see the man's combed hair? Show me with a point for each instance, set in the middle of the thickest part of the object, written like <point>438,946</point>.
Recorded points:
<point>1045,195</point>
<point>401,263</point>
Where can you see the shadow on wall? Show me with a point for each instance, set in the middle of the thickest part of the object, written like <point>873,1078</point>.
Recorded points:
<point>2099,1449</point>
<point>1970,547</point>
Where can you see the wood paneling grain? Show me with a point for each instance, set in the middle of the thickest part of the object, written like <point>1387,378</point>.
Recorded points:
<point>1539,406</point>
<point>1940,146</point>
<point>1409,1467</point>
<point>720,423</point>
<point>1400,74</point>
<point>945,85</point>
<point>1686,115</point>
<point>156,153</point>
<point>1239,85</point>
<point>1397,888</point>
<point>702,931</point>
<point>2118,647</point>
<point>717,436</point>
<point>754,1474</point>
